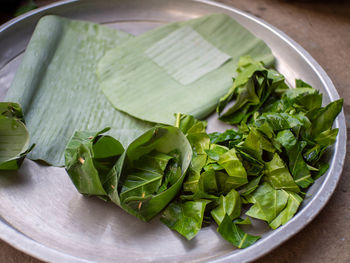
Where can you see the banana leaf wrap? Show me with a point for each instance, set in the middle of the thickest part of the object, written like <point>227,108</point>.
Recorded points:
<point>142,180</point>
<point>89,157</point>
<point>14,136</point>
<point>145,204</point>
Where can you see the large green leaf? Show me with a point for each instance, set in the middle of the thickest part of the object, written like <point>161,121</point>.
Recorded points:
<point>144,71</point>
<point>184,217</point>
<point>57,87</point>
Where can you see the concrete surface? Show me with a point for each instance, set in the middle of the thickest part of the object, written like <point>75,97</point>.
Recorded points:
<point>323,29</point>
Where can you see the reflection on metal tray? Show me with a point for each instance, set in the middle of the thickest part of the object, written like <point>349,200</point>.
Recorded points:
<point>42,214</point>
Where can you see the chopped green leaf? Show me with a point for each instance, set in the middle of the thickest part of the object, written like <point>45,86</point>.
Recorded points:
<point>230,231</point>
<point>233,167</point>
<point>228,205</point>
<point>267,202</point>
<point>184,217</point>
<point>288,212</point>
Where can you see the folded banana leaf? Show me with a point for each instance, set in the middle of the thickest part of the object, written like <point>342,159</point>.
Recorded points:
<point>14,136</point>
<point>142,180</point>
<point>89,157</point>
<point>181,67</point>
<point>57,87</point>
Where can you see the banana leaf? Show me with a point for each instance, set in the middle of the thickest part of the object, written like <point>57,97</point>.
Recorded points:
<point>14,136</point>
<point>89,156</point>
<point>139,195</point>
<point>11,110</point>
<point>175,67</point>
<point>57,87</point>
<point>149,176</point>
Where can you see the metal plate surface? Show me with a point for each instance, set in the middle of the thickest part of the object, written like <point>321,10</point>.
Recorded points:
<point>43,215</point>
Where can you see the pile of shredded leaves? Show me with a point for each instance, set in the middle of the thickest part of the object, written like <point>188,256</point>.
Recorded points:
<point>263,165</point>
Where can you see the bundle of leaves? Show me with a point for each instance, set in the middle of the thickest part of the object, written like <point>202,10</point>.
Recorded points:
<point>142,179</point>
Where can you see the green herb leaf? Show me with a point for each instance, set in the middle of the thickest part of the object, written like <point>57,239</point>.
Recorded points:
<point>278,176</point>
<point>233,167</point>
<point>230,231</point>
<point>228,205</point>
<point>297,165</point>
<point>325,117</point>
<point>268,202</point>
<point>288,212</point>
<point>184,217</point>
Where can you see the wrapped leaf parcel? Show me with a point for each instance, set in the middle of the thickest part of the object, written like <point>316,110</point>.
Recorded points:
<point>142,180</point>
<point>180,67</point>
<point>14,137</point>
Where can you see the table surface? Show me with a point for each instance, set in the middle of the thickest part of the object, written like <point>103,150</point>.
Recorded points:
<point>323,28</point>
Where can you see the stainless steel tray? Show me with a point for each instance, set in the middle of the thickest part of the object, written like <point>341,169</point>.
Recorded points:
<point>43,215</point>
